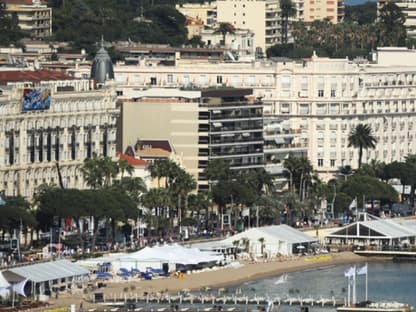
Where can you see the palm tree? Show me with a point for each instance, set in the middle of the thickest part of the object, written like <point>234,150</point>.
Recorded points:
<point>123,166</point>
<point>287,10</point>
<point>361,137</point>
<point>224,29</point>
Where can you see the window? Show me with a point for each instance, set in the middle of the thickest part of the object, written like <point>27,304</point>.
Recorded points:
<point>333,93</point>
<point>153,81</point>
<point>320,93</point>
<point>320,162</point>
<point>285,82</point>
<point>304,83</point>
<point>332,162</point>
<point>219,79</point>
<point>169,79</point>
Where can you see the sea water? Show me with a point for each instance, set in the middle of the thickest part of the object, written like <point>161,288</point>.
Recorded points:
<point>387,281</point>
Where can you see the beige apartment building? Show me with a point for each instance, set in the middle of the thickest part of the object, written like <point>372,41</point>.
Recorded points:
<point>201,126</point>
<point>205,12</point>
<point>311,105</point>
<point>408,8</point>
<point>33,15</point>
<point>261,17</point>
<point>321,9</point>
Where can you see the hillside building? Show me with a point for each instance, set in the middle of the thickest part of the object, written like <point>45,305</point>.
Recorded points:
<point>33,16</point>
<point>261,17</point>
<point>334,10</point>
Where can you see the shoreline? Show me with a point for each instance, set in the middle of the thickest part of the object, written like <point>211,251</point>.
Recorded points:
<point>218,278</point>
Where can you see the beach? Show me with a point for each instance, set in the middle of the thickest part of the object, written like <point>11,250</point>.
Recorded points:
<point>220,277</point>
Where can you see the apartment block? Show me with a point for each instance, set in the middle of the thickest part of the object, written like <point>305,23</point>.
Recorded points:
<point>261,17</point>
<point>200,125</point>
<point>321,9</point>
<point>33,16</point>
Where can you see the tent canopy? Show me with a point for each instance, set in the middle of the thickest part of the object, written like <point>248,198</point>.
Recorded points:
<point>278,235</point>
<point>173,254</point>
<point>48,271</point>
<point>381,229</point>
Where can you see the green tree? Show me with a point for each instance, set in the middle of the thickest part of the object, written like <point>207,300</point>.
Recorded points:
<point>99,172</point>
<point>287,9</point>
<point>392,29</point>
<point>224,29</point>
<point>10,32</point>
<point>362,14</point>
<point>361,137</point>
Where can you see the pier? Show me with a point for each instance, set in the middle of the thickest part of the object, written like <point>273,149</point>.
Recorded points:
<point>203,302</point>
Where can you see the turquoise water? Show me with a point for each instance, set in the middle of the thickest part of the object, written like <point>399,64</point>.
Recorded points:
<point>387,281</point>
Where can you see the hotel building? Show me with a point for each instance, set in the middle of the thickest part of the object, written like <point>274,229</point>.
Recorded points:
<point>310,106</point>
<point>48,118</point>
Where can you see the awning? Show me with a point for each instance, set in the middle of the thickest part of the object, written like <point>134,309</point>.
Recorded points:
<point>49,271</point>
<point>279,140</point>
<point>217,124</point>
<point>246,134</point>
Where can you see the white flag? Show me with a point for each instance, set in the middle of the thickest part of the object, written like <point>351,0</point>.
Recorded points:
<point>353,204</point>
<point>349,273</point>
<point>246,212</point>
<point>19,288</point>
<point>363,270</point>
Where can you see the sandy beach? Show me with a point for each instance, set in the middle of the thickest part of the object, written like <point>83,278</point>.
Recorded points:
<point>221,277</point>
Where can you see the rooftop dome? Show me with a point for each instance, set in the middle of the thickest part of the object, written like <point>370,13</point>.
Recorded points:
<point>102,67</point>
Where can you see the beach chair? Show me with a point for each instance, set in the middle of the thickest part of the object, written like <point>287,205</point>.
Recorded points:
<point>103,275</point>
<point>146,275</point>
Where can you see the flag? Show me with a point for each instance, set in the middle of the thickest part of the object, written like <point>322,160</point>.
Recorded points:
<point>19,288</point>
<point>282,279</point>
<point>349,273</point>
<point>246,212</point>
<point>363,270</point>
<point>353,204</point>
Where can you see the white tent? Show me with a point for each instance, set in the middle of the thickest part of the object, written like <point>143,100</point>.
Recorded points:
<point>281,239</point>
<point>155,257</point>
<point>4,286</point>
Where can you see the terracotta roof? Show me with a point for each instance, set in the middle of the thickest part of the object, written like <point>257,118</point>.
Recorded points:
<point>132,161</point>
<point>26,2</point>
<point>153,144</point>
<point>34,76</point>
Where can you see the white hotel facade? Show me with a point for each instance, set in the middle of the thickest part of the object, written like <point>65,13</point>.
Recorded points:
<point>311,105</point>
<point>80,121</point>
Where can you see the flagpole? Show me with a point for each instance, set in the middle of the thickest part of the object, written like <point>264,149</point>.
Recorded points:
<point>366,283</point>
<point>349,291</point>
<point>354,294</point>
